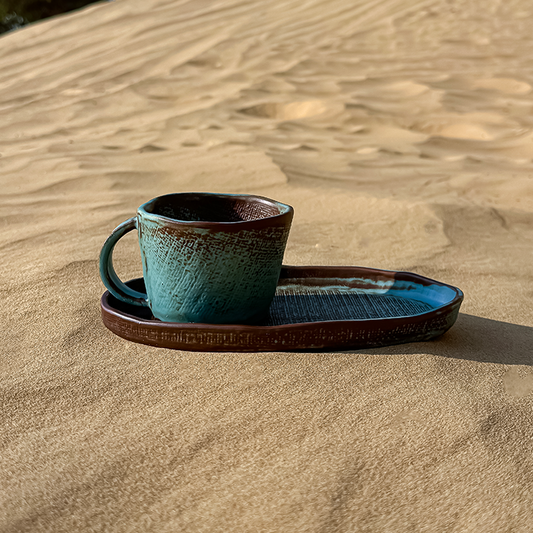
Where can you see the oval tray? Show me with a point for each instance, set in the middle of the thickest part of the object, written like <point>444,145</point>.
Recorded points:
<point>315,308</point>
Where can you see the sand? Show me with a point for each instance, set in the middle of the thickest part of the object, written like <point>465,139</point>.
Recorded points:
<point>401,132</point>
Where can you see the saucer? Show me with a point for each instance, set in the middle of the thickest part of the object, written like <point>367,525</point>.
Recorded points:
<point>315,308</point>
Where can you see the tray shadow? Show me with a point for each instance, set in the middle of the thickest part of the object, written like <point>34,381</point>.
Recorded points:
<point>476,339</point>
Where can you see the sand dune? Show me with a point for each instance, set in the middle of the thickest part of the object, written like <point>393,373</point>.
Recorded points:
<point>401,132</point>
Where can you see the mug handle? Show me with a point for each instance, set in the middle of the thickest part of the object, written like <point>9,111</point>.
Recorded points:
<point>107,272</point>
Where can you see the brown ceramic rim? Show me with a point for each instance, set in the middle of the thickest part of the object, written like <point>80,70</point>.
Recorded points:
<point>326,335</point>
<point>285,216</point>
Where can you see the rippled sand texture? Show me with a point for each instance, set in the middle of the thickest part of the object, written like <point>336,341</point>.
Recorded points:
<point>402,133</point>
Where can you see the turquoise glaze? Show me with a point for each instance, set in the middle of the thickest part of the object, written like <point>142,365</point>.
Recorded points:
<point>207,258</point>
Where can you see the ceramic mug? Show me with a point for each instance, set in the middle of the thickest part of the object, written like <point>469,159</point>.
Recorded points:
<point>209,258</point>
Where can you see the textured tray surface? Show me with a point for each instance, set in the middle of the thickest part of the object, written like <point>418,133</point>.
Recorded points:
<point>308,305</point>
<point>314,308</point>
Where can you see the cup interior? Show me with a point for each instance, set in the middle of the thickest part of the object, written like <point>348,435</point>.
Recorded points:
<point>193,207</point>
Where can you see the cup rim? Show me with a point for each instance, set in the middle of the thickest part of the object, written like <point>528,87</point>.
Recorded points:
<point>284,216</point>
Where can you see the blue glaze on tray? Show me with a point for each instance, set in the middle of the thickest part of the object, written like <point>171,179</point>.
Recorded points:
<point>314,308</point>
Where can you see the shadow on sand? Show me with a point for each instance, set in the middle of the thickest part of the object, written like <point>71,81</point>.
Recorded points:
<point>476,339</point>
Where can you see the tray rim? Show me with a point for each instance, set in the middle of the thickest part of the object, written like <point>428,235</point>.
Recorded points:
<point>302,272</point>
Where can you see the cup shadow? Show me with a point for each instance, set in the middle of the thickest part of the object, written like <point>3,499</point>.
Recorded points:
<point>475,338</point>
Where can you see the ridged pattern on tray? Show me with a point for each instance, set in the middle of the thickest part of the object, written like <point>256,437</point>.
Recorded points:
<point>301,306</point>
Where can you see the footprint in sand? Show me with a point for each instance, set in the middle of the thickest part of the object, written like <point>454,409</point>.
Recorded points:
<point>151,148</point>
<point>472,132</point>
<point>288,111</point>
<point>503,85</point>
<point>517,384</point>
